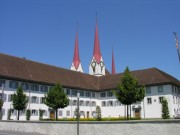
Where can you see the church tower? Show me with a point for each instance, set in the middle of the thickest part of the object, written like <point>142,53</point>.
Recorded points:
<point>76,64</point>
<point>97,66</point>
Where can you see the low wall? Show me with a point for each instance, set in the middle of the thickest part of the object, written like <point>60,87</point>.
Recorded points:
<point>155,127</point>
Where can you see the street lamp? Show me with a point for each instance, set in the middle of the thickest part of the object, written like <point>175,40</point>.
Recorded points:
<point>78,113</point>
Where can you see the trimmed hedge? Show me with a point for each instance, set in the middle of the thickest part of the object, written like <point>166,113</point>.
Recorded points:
<point>93,119</point>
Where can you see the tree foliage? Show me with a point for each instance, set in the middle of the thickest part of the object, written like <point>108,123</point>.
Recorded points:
<point>165,109</point>
<point>56,98</point>
<point>98,113</point>
<point>19,100</point>
<point>129,91</point>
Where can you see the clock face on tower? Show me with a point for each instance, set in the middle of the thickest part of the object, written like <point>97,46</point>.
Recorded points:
<point>101,64</point>
<point>93,64</point>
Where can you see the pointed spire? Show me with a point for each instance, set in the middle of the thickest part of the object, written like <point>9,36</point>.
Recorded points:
<point>97,52</point>
<point>113,64</point>
<point>76,60</point>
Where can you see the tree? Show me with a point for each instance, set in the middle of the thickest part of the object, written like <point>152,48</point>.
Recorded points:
<point>1,104</point>
<point>129,91</point>
<point>165,109</point>
<point>98,113</point>
<point>56,98</point>
<point>19,100</point>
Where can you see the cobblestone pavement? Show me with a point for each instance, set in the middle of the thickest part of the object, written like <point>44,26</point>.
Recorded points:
<point>2,132</point>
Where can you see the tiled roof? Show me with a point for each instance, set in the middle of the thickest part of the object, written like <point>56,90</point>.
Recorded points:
<point>30,71</point>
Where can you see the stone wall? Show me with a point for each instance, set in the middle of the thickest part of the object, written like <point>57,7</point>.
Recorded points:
<point>155,127</point>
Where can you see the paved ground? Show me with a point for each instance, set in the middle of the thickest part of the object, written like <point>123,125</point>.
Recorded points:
<point>16,133</point>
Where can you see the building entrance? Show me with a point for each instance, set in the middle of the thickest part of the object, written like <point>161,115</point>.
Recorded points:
<point>137,113</point>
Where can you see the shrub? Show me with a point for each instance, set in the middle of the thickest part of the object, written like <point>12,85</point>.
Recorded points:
<point>40,114</point>
<point>28,114</point>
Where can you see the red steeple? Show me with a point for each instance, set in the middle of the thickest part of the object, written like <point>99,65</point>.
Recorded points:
<point>97,52</point>
<point>76,59</point>
<point>113,65</point>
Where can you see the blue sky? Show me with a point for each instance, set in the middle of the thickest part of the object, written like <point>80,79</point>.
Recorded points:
<point>140,31</point>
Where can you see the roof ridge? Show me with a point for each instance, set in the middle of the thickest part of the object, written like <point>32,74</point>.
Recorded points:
<point>168,76</point>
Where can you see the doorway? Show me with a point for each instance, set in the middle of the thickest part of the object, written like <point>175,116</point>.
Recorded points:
<point>52,115</point>
<point>137,113</point>
<point>87,114</point>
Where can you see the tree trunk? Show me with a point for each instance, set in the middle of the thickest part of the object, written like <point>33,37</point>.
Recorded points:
<point>18,115</point>
<point>127,112</point>
<point>56,114</point>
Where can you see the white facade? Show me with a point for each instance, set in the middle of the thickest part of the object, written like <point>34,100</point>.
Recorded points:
<point>150,107</point>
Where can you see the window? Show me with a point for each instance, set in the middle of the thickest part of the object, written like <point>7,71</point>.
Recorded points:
<point>34,112</point>
<point>82,113</point>
<point>68,113</point>
<point>42,100</point>
<point>74,92</point>
<point>34,87</point>
<point>173,100</point>
<point>25,86</point>
<point>110,103</point>
<point>176,100</point>
<point>2,82</point>
<point>13,112</point>
<point>148,90</point>
<point>44,88</point>
<point>68,92</point>
<point>160,99</point>
<point>3,96</point>
<point>4,111</point>
<point>50,87</point>
<point>87,94</point>
<point>103,103</point>
<point>22,112</point>
<point>93,103</point>
<point>160,89</point>
<point>13,84</point>
<point>103,94</point>
<point>93,94</point>
<point>34,99</point>
<point>109,94</point>
<point>172,89</point>
<point>81,93</point>
<point>81,103</point>
<point>10,97</point>
<point>149,101</point>
<point>117,103</point>
<point>44,112</point>
<point>74,102</point>
<point>60,113</point>
<point>87,103</point>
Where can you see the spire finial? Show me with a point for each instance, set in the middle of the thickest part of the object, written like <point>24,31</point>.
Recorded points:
<point>96,17</point>
<point>113,64</point>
